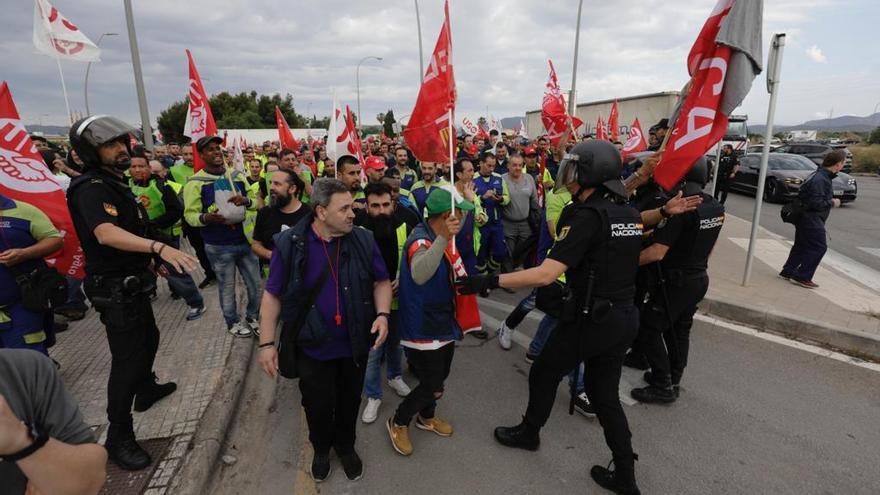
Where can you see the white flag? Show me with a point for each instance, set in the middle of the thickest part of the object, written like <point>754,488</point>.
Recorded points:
<point>522,130</point>
<point>469,126</point>
<point>238,157</point>
<point>56,36</point>
<point>333,129</point>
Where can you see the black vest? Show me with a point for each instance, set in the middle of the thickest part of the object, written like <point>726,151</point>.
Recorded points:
<point>701,229</point>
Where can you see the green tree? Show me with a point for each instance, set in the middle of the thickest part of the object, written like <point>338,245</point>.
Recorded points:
<point>388,123</point>
<point>171,122</point>
<point>874,137</point>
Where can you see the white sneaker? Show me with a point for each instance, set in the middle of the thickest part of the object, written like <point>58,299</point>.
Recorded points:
<point>240,330</point>
<point>371,411</point>
<point>253,325</point>
<point>504,336</point>
<point>399,386</point>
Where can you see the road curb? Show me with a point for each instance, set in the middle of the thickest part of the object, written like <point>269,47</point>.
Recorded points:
<point>853,342</point>
<point>204,451</point>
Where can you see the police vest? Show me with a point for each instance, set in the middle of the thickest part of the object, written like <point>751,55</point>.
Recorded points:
<point>694,245</point>
<point>613,253</point>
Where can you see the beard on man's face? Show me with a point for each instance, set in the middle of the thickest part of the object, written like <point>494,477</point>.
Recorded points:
<point>383,224</point>
<point>279,200</point>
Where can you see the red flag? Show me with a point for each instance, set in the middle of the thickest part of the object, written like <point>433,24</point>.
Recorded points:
<point>427,134</point>
<point>601,130</point>
<point>636,140</point>
<point>201,120</point>
<point>285,135</point>
<point>25,177</point>
<point>553,112</point>
<point>613,125</point>
<point>717,86</point>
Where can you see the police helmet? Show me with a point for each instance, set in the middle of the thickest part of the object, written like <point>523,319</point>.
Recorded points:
<point>695,180</point>
<point>592,163</point>
<point>90,133</point>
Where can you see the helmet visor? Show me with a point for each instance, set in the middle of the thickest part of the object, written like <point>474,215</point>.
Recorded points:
<point>567,171</point>
<point>103,129</point>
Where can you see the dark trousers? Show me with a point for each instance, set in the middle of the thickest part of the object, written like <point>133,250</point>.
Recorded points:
<point>134,339</point>
<point>194,236</point>
<point>431,368</point>
<point>807,252</point>
<point>331,397</point>
<point>721,190</point>
<point>668,358</point>
<point>602,348</point>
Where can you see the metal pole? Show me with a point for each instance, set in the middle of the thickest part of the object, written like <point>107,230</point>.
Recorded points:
<point>358,83</point>
<point>421,54</point>
<point>88,69</point>
<point>572,106</point>
<point>138,77</point>
<point>773,80</point>
<point>64,90</point>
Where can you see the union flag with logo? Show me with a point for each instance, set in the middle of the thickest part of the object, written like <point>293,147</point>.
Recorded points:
<point>56,36</point>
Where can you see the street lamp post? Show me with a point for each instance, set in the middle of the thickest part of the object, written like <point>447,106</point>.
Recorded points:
<point>89,68</point>
<point>421,54</point>
<point>572,104</point>
<point>358,82</point>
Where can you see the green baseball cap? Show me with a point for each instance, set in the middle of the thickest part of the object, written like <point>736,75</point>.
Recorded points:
<point>440,201</point>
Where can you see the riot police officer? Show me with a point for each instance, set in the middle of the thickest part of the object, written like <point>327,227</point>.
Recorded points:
<point>682,245</point>
<point>112,227</point>
<point>597,247</point>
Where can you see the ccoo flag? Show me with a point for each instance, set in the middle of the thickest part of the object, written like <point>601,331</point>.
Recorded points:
<point>56,36</point>
<point>25,177</point>
<point>723,62</point>
<point>427,134</point>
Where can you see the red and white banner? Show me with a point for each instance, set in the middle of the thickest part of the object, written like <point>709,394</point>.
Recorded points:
<point>25,177</point>
<point>636,141</point>
<point>614,124</point>
<point>346,139</point>
<point>199,119</point>
<point>553,113</point>
<point>721,76</point>
<point>601,130</point>
<point>56,36</point>
<point>285,135</point>
<point>469,127</point>
<point>522,130</point>
<point>427,134</point>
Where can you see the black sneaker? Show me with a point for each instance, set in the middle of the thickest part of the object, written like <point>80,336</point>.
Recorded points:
<point>583,406</point>
<point>636,360</point>
<point>651,380</point>
<point>152,393</point>
<point>654,395</point>
<point>616,481</point>
<point>352,465</point>
<point>480,334</point>
<point>530,358</point>
<point>320,467</point>
<point>521,436</point>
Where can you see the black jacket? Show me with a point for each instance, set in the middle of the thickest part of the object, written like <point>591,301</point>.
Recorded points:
<point>817,195</point>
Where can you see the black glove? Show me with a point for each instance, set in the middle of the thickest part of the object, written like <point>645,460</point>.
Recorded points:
<point>477,284</point>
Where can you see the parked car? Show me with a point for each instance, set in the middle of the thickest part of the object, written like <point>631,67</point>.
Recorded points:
<point>785,174</point>
<point>759,148</point>
<point>816,152</point>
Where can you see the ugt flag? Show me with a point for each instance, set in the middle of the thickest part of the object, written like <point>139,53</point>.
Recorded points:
<point>56,36</point>
<point>553,113</point>
<point>723,62</point>
<point>428,132</point>
<point>613,124</point>
<point>601,129</point>
<point>199,119</point>
<point>636,140</point>
<point>285,135</point>
<point>25,177</point>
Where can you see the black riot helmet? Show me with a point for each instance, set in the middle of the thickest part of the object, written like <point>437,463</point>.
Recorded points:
<point>90,133</point>
<point>592,163</point>
<point>695,180</point>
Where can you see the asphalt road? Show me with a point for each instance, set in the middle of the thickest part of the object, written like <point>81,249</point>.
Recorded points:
<point>754,417</point>
<point>853,229</point>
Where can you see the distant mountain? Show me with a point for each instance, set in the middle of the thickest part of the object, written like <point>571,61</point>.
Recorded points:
<point>842,123</point>
<point>47,130</point>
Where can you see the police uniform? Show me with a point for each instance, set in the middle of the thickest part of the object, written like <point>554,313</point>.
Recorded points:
<point>690,237</point>
<point>726,165</point>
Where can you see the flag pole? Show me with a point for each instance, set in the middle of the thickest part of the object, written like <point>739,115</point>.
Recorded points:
<point>451,170</point>
<point>64,89</point>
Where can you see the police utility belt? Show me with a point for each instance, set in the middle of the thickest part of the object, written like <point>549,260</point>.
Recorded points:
<point>558,301</point>
<point>115,291</point>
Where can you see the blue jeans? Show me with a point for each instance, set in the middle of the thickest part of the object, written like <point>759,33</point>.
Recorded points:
<point>548,323</point>
<point>224,261</point>
<point>182,283</point>
<point>76,298</point>
<point>392,352</point>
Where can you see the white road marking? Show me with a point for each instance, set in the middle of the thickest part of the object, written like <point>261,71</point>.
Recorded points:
<point>629,380</point>
<point>874,251</point>
<point>536,315</point>
<point>812,349</point>
<point>836,288</point>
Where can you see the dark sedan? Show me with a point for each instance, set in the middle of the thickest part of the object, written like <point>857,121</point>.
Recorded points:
<point>785,174</point>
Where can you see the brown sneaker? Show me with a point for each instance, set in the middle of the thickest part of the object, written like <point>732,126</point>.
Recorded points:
<point>434,424</point>
<point>807,284</point>
<point>399,437</point>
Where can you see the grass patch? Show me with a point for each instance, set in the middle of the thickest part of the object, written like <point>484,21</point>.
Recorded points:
<point>866,158</point>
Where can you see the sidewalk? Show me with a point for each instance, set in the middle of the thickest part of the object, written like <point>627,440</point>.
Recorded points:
<point>844,312</point>
<point>191,353</point>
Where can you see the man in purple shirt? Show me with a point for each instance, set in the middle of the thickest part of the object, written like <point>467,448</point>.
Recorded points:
<point>329,285</point>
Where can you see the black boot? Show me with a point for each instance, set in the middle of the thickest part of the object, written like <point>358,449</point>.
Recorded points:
<point>622,481</point>
<point>636,360</point>
<point>653,394</point>
<point>123,449</point>
<point>522,436</point>
<point>152,392</point>
<point>650,379</point>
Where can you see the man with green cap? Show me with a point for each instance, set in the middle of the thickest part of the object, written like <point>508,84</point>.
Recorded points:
<point>431,316</point>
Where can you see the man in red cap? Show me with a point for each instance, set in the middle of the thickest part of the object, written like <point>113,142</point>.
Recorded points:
<point>375,169</point>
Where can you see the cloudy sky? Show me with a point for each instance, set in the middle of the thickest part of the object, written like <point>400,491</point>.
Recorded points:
<point>501,47</point>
